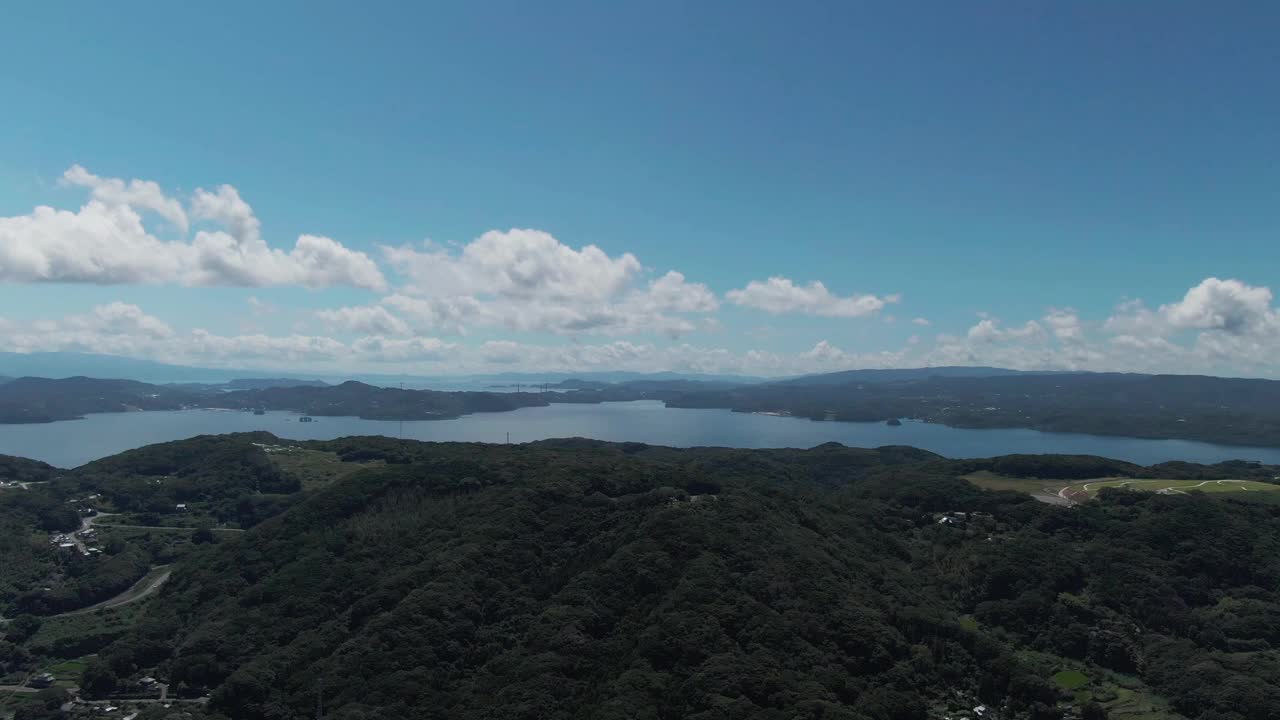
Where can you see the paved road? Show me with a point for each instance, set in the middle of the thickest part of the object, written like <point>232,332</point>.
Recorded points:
<point>166,527</point>
<point>141,589</point>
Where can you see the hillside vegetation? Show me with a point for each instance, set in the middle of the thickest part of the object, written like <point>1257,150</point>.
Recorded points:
<point>576,579</point>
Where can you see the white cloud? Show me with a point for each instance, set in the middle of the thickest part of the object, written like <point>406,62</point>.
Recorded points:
<point>1065,324</point>
<point>518,263</point>
<point>259,308</point>
<point>1133,317</point>
<point>399,350</point>
<point>105,242</point>
<point>1227,305</point>
<point>142,194</point>
<point>671,293</point>
<point>920,321</point>
<point>528,281</point>
<point>779,295</point>
<point>1218,327</point>
<point>119,318</point>
<point>450,314</point>
<point>1143,343</point>
<point>367,319</point>
<point>502,352</point>
<point>225,207</point>
<point>279,350</point>
<point>989,330</point>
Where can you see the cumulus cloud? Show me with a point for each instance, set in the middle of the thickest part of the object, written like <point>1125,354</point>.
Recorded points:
<point>501,352</point>
<point>119,318</point>
<point>518,263</point>
<point>123,329</point>
<point>258,347</point>
<point>142,194</point>
<point>1065,324</point>
<point>672,293</point>
<point>1230,307</point>
<point>989,330</point>
<point>400,350</point>
<point>106,242</point>
<point>920,321</point>
<point>528,281</point>
<point>1227,305</point>
<point>368,319</point>
<point>779,295</point>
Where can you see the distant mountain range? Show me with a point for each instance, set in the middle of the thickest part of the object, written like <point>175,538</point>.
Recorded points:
<point>72,364</point>
<point>902,374</point>
<point>1221,410</point>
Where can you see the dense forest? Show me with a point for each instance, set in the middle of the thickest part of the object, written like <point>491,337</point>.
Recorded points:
<point>578,579</point>
<point>40,400</point>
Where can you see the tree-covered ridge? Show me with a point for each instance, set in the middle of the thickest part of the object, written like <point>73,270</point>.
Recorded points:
<point>376,403</point>
<point>215,481</point>
<point>582,579</point>
<point>40,400</point>
<point>1230,411</point>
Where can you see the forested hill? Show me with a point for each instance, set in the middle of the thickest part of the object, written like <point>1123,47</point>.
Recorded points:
<point>578,579</point>
<point>21,470</point>
<point>37,400</point>
<point>1223,410</point>
<point>376,403</point>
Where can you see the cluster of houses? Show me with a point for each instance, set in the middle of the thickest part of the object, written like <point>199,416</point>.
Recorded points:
<point>126,705</point>
<point>277,448</point>
<point>675,501</point>
<point>87,543</point>
<point>961,519</point>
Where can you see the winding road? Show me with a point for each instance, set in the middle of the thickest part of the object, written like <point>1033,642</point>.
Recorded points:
<point>139,590</point>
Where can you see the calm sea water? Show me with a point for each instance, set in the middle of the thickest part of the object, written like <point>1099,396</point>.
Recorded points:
<point>74,442</point>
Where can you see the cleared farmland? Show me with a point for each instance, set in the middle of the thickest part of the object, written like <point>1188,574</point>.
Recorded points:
<point>1084,490</point>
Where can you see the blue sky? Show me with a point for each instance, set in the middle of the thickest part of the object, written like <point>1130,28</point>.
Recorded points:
<point>1016,174</point>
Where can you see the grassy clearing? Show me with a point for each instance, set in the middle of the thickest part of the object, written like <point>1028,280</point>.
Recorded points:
<point>314,468</point>
<point>1090,488</point>
<point>67,673</point>
<point>1070,679</point>
<point>1082,490</point>
<point>1124,697</point>
<point>72,636</point>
